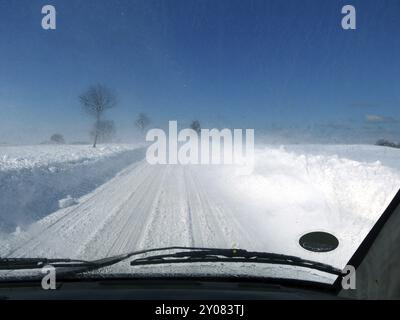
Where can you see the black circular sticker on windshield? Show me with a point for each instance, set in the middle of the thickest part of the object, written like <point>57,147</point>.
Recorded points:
<point>319,241</point>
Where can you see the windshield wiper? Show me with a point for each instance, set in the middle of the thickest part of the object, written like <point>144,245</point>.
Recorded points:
<point>73,266</point>
<point>193,255</point>
<point>69,265</point>
<point>38,263</point>
<point>186,255</point>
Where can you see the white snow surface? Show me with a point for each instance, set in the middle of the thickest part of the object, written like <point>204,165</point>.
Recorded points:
<point>29,157</point>
<point>33,179</point>
<point>291,191</point>
<point>67,202</point>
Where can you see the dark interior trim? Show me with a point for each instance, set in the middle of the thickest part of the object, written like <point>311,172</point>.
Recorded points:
<point>365,246</point>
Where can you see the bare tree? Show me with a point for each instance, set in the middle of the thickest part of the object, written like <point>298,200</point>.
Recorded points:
<point>195,125</point>
<point>95,101</point>
<point>105,131</point>
<point>57,138</point>
<point>142,122</point>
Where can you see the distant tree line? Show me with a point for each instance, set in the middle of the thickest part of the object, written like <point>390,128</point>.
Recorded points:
<point>142,122</point>
<point>57,139</point>
<point>195,125</point>
<point>95,101</point>
<point>387,143</point>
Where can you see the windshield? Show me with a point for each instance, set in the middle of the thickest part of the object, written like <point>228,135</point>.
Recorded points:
<point>270,126</point>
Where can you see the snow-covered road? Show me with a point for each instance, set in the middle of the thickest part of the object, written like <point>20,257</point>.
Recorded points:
<point>287,195</point>
<point>144,206</point>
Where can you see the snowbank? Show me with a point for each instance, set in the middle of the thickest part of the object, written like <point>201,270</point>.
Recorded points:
<point>53,156</point>
<point>297,189</point>
<point>33,179</point>
<point>388,157</point>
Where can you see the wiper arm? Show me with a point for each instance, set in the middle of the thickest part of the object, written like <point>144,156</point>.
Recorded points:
<point>188,255</point>
<point>68,266</point>
<point>73,266</point>
<point>38,263</point>
<point>194,255</point>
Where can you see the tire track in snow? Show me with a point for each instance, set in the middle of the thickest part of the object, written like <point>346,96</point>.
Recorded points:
<point>121,231</point>
<point>213,224</point>
<point>144,206</point>
<point>169,224</point>
<point>62,233</point>
<point>138,212</point>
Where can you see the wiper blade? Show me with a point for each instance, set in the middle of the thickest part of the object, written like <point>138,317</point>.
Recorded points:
<point>38,263</point>
<point>193,255</point>
<point>186,255</point>
<point>70,265</point>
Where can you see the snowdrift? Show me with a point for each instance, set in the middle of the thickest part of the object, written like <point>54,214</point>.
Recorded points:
<point>36,180</point>
<point>293,190</point>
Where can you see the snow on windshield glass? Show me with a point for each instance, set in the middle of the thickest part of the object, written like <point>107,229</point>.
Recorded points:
<point>130,125</point>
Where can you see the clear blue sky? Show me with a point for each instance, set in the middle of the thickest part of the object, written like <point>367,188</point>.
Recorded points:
<point>285,68</point>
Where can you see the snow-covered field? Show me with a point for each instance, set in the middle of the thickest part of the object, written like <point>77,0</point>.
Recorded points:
<point>52,156</point>
<point>292,190</point>
<point>33,179</point>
